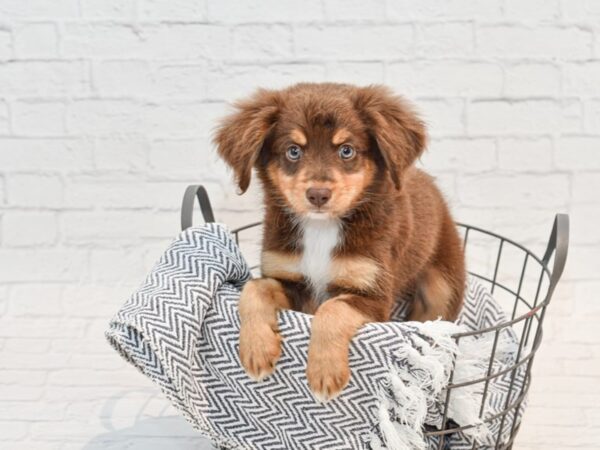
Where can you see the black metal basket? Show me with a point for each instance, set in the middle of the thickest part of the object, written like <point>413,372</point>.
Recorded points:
<point>522,283</point>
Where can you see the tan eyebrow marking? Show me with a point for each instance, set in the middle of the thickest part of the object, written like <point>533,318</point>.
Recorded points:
<point>340,136</point>
<point>281,265</point>
<point>298,137</point>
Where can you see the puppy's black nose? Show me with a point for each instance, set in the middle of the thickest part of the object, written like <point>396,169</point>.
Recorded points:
<point>318,196</point>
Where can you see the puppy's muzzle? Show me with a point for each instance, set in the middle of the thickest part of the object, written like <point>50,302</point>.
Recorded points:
<point>318,196</point>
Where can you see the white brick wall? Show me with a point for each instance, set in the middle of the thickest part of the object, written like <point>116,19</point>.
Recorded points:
<point>106,109</point>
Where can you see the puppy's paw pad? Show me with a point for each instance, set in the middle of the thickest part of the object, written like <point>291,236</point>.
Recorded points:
<point>260,348</point>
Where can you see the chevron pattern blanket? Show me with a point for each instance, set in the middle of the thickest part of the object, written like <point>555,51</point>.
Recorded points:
<point>181,329</point>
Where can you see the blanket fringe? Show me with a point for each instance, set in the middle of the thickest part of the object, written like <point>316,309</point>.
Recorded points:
<point>471,364</point>
<point>404,402</point>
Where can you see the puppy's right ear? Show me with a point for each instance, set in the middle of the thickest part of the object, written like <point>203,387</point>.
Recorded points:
<point>241,136</point>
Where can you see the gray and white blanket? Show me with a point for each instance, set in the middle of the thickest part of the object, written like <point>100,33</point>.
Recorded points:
<point>181,329</point>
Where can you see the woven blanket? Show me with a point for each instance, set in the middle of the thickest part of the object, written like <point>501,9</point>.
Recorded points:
<point>181,329</point>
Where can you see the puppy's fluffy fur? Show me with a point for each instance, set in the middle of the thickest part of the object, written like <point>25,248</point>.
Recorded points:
<point>351,226</point>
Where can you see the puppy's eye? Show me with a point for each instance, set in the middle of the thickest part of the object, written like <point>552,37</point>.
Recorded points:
<point>347,152</point>
<point>293,153</point>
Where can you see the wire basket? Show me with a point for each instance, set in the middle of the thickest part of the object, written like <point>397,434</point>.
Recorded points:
<point>521,282</point>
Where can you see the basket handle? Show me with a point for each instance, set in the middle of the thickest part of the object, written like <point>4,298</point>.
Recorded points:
<point>187,205</point>
<point>559,245</point>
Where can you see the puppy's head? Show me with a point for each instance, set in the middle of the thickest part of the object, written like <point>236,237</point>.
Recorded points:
<point>322,146</point>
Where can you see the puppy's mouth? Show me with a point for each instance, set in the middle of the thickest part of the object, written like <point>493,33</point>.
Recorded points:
<point>315,203</point>
<point>319,215</point>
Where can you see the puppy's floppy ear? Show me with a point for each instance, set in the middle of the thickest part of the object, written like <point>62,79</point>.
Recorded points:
<point>241,135</point>
<point>397,130</point>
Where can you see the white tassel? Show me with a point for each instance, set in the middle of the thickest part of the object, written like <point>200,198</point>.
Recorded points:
<point>472,363</point>
<point>375,443</point>
<point>412,404</point>
<point>413,390</point>
<point>397,436</point>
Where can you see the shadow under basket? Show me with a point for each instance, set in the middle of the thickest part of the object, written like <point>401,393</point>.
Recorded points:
<point>520,282</point>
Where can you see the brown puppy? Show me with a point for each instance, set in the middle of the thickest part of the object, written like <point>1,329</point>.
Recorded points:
<point>350,224</point>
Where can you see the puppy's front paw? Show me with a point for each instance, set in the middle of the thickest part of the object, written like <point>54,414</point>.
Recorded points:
<point>327,375</point>
<point>260,348</point>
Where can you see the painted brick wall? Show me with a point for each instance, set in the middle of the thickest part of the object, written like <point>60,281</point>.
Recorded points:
<point>106,107</point>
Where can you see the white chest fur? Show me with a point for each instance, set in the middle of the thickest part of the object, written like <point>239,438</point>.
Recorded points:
<point>320,237</point>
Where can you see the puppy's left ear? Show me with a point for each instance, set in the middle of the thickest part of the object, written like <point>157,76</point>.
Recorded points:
<point>241,136</point>
<point>396,128</point>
